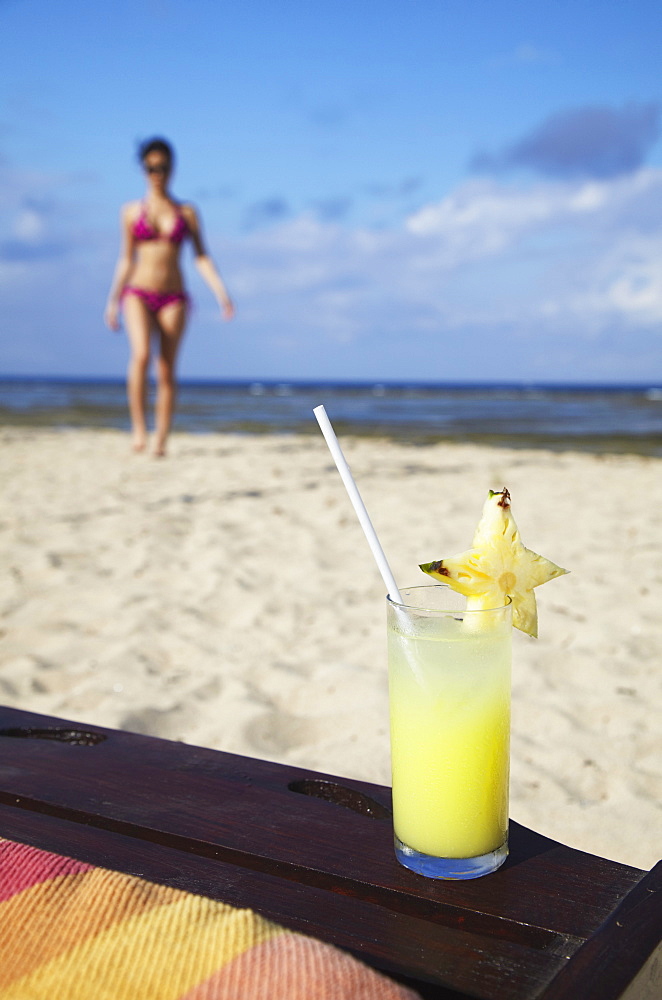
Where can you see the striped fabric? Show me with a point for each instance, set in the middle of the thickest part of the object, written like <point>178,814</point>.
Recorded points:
<point>71,931</point>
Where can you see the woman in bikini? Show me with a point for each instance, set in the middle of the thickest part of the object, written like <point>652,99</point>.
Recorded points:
<point>148,284</point>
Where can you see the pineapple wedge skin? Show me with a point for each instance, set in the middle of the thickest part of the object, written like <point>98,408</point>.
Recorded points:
<point>498,566</point>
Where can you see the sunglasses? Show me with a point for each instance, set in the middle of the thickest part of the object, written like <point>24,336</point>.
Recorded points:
<point>161,168</point>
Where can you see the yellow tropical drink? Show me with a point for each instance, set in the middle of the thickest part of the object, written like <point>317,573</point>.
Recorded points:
<point>449,692</point>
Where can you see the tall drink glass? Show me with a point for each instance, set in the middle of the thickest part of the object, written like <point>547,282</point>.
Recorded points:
<point>449,693</point>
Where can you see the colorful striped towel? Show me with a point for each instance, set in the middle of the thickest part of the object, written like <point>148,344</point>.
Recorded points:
<point>71,931</point>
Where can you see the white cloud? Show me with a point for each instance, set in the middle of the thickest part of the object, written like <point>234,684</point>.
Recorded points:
<point>567,271</point>
<point>626,284</point>
<point>27,230</point>
<point>489,253</point>
<point>29,225</point>
<point>484,210</point>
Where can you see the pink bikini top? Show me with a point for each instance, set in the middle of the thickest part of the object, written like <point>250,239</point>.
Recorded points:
<point>144,230</point>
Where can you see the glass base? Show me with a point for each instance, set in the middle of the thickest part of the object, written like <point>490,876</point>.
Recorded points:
<point>456,868</point>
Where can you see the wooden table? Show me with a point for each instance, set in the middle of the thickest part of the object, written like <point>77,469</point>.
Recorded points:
<point>314,853</point>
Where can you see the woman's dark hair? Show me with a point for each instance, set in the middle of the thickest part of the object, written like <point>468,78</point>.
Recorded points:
<point>156,145</point>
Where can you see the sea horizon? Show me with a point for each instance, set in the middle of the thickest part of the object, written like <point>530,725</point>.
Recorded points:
<point>635,385</point>
<point>604,417</point>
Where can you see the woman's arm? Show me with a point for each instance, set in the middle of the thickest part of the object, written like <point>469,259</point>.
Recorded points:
<point>122,270</point>
<point>206,267</point>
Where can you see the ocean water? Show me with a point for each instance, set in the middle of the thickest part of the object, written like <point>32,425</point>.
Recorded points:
<point>595,418</point>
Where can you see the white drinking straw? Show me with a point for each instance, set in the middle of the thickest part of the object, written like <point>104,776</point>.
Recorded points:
<point>357,503</point>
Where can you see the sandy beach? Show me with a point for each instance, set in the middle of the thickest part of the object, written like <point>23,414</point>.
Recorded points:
<point>225,596</point>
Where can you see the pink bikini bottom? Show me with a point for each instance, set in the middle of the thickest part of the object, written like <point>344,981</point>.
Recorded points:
<point>155,300</point>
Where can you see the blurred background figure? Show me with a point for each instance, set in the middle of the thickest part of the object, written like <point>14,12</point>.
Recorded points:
<point>148,284</point>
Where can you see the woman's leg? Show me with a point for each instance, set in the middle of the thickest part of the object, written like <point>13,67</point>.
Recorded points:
<point>138,321</point>
<point>171,321</point>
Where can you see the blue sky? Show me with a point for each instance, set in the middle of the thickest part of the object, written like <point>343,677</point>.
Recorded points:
<point>420,190</point>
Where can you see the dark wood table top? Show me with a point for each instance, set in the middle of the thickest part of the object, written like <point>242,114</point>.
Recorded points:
<point>314,852</point>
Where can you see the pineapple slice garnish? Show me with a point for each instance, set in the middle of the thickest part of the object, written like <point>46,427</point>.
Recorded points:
<point>498,566</point>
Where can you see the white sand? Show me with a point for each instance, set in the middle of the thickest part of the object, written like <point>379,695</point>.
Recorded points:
<point>226,597</point>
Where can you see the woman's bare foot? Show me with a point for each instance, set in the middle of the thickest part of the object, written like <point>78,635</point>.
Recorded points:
<point>159,450</point>
<point>139,443</point>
